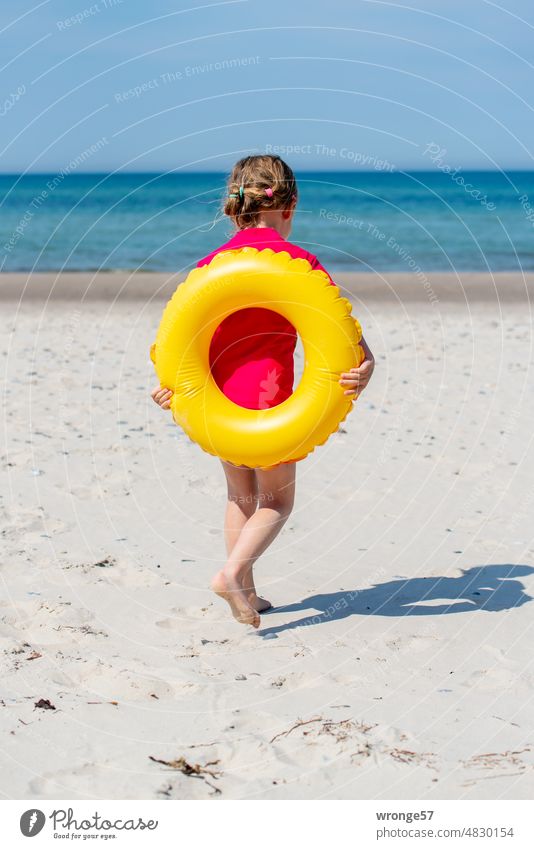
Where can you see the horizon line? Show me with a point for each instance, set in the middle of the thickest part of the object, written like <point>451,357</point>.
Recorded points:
<point>306,171</point>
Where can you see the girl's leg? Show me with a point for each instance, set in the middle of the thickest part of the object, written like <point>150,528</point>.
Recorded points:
<point>241,504</point>
<point>276,490</point>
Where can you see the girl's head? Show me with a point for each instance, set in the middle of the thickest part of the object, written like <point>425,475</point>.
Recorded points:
<point>262,192</point>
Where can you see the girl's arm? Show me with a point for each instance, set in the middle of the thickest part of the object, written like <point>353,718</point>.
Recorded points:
<point>357,379</point>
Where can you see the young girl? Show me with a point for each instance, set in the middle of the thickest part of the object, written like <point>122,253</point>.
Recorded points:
<point>251,359</point>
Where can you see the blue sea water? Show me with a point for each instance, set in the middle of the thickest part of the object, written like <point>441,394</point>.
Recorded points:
<point>353,221</point>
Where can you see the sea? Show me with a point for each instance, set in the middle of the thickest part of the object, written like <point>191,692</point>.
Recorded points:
<point>353,221</point>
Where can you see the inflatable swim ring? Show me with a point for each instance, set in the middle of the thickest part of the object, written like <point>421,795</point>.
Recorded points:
<point>233,281</point>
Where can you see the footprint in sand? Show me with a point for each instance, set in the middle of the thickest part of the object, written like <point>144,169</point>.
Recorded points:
<point>175,622</point>
<point>119,571</point>
<point>30,526</point>
<point>110,684</point>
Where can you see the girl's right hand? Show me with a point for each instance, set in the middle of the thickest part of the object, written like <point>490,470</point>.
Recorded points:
<point>162,396</point>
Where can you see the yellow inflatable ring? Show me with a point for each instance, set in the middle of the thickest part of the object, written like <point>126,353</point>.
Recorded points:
<point>235,280</point>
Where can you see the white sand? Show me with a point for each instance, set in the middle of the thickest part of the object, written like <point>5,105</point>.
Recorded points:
<point>406,571</point>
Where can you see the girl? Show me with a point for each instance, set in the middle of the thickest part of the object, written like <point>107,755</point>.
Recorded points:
<point>251,359</point>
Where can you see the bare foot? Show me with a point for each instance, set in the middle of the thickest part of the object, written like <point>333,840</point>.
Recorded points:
<point>257,602</point>
<point>232,592</point>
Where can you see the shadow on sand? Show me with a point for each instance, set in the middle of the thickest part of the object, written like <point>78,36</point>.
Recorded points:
<point>489,588</point>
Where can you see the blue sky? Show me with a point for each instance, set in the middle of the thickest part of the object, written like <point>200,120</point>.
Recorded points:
<point>192,85</point>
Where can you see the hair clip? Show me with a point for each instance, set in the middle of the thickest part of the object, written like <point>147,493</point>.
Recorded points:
<point>269,192</point>
<point>238,194</point>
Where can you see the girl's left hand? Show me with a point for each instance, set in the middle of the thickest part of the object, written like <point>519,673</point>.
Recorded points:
<point>357,378</point>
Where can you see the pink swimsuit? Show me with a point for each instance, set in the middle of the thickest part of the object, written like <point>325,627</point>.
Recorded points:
<point>251,353</point>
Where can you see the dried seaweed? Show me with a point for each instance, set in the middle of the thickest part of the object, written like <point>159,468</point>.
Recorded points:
<point>296,725</point>
<point>193,770</point>
<point>45,704</point>
<point>187,768</point>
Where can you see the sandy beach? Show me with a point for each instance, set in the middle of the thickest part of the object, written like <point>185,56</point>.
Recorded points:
<point>397,663</point>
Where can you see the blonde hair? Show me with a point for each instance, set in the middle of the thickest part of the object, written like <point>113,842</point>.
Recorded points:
<point>257,183</point>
